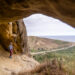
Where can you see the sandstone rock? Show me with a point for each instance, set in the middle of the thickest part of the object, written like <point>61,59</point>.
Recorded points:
<point>16,64</point>
<point>61,9</point>
<point>15,32</point>
<point>23,36</point>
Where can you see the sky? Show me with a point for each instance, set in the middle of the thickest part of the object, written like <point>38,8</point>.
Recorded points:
<point>42,25</point>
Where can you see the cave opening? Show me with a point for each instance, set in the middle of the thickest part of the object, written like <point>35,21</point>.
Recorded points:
<point>45,26</point>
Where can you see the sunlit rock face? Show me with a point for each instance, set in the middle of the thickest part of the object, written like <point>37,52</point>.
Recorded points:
<point>14,32</point>
<point>7,32</point>
<point>11,10</point>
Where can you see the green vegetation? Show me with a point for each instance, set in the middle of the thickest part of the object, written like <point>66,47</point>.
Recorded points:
<point>68,54</point>
<point>33,50</point>
<point>68,58</point>
<point>60,42</point>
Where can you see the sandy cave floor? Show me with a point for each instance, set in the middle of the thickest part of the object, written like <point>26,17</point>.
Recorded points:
<point>15,64</point>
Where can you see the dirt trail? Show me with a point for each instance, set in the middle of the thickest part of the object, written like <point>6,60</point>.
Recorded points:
<point>44,52</point>
<point>16,64</point>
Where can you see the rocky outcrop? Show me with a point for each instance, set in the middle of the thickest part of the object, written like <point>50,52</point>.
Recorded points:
<point>23,36</point>
<point>61,9</point>
<point>4,35</point>
<point>48,68</point>
<point>15,32</point>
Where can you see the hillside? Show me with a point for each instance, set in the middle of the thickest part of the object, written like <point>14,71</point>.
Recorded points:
<point>40,44</point>
<point>67,57</point>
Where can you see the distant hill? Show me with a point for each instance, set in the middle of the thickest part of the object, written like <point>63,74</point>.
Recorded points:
<point>37,43</point>
<point>69,38</point>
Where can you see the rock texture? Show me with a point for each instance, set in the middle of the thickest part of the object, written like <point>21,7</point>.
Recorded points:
<point>13,10</point>
<point>23,36</point>
<point>61,9</point>
<point>16,64</point>
<point>15,32</point>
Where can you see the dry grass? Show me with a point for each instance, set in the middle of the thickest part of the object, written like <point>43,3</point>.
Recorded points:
<point>47,68</point>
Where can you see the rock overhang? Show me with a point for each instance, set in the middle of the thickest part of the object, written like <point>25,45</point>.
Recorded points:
<point>12,10</point>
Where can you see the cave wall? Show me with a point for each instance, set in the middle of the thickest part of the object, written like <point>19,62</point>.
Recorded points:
<point>23,36</point>
<point>16,33</point>
<point>4,35</point>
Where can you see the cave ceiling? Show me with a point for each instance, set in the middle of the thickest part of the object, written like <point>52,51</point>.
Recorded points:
<point>12,10</point>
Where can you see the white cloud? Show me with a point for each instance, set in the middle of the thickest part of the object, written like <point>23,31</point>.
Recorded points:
<point>41,25</point>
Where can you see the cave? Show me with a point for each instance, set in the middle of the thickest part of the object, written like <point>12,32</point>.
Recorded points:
<point>14,11</point>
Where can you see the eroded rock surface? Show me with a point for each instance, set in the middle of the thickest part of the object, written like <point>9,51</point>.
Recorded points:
<point>15,32</point>
<point>15,64</point>
<point>23,36</point>
<point>15,9</point>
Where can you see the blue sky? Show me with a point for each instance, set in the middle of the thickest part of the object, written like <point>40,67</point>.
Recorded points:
<point>41,25</point>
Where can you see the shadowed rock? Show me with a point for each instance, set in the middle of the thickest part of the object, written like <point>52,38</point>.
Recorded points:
<point>61,9</point>
<point>23,36</point>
